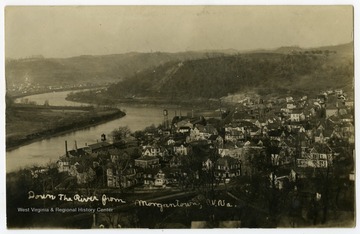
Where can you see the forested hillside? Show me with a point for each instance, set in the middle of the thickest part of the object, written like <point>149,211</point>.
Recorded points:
<point>88,69</point>
<point>307,70</point>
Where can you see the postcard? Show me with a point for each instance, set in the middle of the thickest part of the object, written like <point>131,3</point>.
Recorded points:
<point>168,117</point>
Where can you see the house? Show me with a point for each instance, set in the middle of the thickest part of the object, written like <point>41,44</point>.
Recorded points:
<point>200,132</point>
<point>347,128</point>
<point>181,149</point>
<point>256,132</point>
<point>36,172</point>
<point>63,164</point>
<point>275,159</point>
<point>319,156</point>
<point>166,132</point>
<point>175,161</point>
<point>233,152</point>
<point>117,155</point>
<point>240,131</point>
<point>184,129</point>
<point>336,134</point>
<point>170,142</point>
<point>183,123</point>
<point>121,178</point>
<point>319,137</point>
<point>234,134</point>
<point>346,118</point>
<point>287,152</point>
<point>339,92</point>
<point>322,152</point>
<point>147,162</point>
<point>217,141</point>
<point>304,139</point>
<point>285,111</point>
<point>207,164</point>
<point>334,120</point>
<point>160,180</point>
<point>290,105</point>
<point>289,99</point>
<point>322,134</point>
<point>296,115</point>
<point>332,110</point>
<point>112,181</point>
<point>276,134</point>
<point>273,123</point>
<point>227,167</point>
<point>154,177</point>
<point>151,150</point>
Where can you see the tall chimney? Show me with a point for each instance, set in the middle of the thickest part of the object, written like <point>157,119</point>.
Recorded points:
<point>76,146</point>
<point>66,149</point>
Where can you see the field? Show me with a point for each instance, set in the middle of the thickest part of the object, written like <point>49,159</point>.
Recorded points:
<point>25,123</point>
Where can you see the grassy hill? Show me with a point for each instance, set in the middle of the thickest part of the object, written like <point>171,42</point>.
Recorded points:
<point>282,70</point>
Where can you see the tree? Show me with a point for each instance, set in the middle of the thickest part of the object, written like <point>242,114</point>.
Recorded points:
<point>120,133</point>
<point>46,103</point>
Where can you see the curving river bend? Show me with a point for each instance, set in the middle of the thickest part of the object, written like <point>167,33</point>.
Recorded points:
<point>44,151</point>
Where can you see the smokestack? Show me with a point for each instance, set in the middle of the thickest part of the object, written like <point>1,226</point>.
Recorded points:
<point>76,146</point>
<point>66,149</point>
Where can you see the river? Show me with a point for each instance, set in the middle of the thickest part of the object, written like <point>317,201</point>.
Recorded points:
<point>48,150</point>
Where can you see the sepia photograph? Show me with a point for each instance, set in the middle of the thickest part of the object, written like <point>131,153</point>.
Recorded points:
<point>179,117</point>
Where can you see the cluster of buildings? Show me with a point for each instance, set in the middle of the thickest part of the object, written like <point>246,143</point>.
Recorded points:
<point>297,136</point>
<point>28,86</point>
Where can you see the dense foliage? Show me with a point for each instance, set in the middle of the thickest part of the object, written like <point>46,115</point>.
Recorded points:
<point>87,69</point>
<point>220,76</point>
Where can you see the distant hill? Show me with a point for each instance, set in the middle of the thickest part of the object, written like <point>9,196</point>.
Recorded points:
<point>89,69</point>
<point>282,70</point>
<point>208,73</point>
<point>342,49</point>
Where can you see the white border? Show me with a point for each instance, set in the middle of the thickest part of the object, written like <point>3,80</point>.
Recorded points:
<point>4,3</point>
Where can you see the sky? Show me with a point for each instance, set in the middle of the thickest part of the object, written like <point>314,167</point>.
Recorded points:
<point>60,31</point>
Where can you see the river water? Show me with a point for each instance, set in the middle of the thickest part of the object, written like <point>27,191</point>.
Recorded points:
<point>48,150</point>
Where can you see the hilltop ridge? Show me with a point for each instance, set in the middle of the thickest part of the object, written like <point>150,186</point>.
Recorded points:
<point>284,69</point>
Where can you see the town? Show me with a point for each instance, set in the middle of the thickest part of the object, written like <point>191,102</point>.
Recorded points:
<point>290,157</point>
<point>27,86</point>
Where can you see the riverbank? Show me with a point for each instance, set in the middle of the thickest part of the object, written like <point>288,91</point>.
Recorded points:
<point>99,99</point>
<point>20,95</point>
<point>26,124</point>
